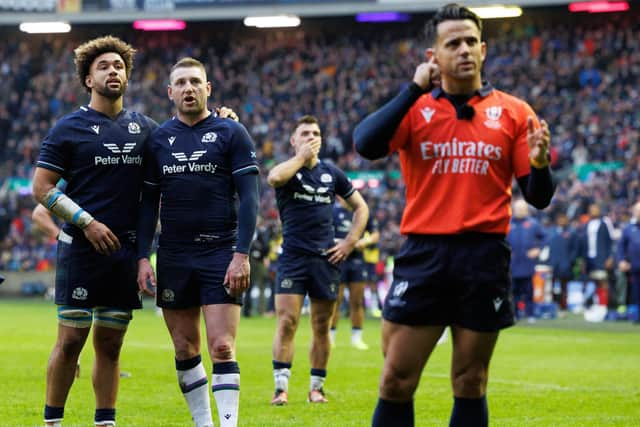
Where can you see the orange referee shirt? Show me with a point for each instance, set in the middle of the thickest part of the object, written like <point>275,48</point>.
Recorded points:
<point>458,173</point>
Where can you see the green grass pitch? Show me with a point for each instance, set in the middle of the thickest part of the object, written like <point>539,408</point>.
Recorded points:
<point>555,373</point>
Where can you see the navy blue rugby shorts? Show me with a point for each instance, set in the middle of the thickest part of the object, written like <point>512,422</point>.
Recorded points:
<point>191,274</point>
<point>301,273</point>
<point>462,280</point>
<point>85,278</point>
<point>354,270</point>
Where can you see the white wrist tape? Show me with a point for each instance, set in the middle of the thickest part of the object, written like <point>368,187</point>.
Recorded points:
<point>60,204</point>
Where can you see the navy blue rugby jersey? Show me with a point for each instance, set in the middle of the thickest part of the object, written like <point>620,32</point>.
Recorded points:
<point>101,160</point>
<point>343,220</point>
<point>306,207</point>
<point>194,168</point>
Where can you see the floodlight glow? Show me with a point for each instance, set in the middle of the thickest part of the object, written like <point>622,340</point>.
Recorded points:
<point>599,6</point>
<point>497,11</point>
<point>45,27</point>
<point>277,21</point>
<point>159,25</point>
<point>382,17</point>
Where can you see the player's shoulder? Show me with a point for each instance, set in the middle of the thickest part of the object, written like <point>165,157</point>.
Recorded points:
<point>232,127</point>
<point>325,166</point>
<point>143,119</point>
<point>506,100</point>
<point>170,125</point>
<point>163,131</point>
<point>426,99</point>
<point>83,113</point>
<point>71,120</point>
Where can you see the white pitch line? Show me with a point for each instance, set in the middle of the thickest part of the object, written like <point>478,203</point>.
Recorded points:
<point>546,386</point>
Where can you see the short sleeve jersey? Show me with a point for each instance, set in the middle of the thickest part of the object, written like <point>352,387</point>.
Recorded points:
<point>458,173</point>
<point>306,207</point>
<point>101,160</point>
<point>194,168</point>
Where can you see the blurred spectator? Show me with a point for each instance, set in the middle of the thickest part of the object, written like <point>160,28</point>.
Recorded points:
<point>259,261</point>
<point>599,251</point>
<point>629,258</point>
<point>526,238</point>
<point>564,248</point>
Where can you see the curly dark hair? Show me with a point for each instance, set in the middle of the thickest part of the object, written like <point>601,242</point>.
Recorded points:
<point>87,52</point>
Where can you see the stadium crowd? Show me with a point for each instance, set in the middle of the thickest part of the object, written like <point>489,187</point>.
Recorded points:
<point>580,74</point>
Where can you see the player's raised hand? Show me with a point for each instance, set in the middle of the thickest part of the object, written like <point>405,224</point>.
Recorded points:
<point>227,113</point>
<point>427,74</point>
<point>309,148</point>
<point>538,141</point>
<point>236,280</point>
<point>101,238</point>
<point>146,277</point>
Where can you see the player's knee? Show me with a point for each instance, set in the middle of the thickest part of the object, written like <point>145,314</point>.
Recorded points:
<point>287,323</point>
<point>469,383</point>
<point>222,350</point>
<point>186,344</point>
<point>71,345</point>
<point>356,304</point>
<point>397,384</point>
<point>321,321</point>
<point>108,347</point>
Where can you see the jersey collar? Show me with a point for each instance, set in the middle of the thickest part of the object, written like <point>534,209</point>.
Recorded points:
<point>483,92</point>
<point>99,113</point>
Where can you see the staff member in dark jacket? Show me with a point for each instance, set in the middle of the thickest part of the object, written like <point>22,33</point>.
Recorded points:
<point>629,255</point>
<point>599,251</point>
<point>526,238</point>
<point>563,253</point>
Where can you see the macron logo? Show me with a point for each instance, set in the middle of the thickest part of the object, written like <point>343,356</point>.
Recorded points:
<point>181,157</point>
<point>96,129</point>
<point>128,147</point>
<point>171,139</point>
<point>427,113</point>
<point>497,302</point>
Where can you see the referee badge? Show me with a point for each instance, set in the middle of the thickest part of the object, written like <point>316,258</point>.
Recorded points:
<point>493,117</point>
